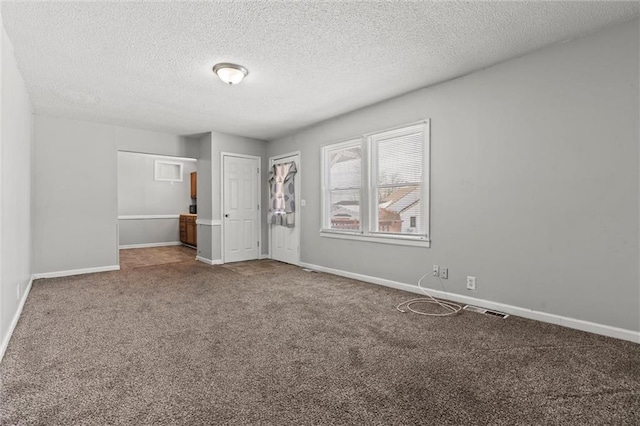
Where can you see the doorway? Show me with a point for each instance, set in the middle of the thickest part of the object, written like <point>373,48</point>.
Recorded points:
<point>240,207</point>
<point>154,192</point>
<point>285,241</point>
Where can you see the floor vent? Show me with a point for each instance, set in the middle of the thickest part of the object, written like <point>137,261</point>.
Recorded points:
<point>485,311</point>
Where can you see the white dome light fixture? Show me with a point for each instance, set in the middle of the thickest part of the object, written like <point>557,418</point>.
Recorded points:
<point>230,73</point>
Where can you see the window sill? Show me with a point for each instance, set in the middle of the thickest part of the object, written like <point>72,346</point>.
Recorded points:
<point>395,239</point>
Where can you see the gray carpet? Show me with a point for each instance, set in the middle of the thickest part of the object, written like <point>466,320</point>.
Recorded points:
<point>188,343</point>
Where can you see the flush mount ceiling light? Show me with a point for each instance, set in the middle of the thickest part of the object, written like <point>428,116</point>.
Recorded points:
<point>230,73</point>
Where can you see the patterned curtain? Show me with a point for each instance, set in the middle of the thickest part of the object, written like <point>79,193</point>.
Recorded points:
<point>282,206</point>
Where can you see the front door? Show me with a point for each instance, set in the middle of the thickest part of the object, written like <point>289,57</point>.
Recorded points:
<point>285,241</point>
<point>240,208</point>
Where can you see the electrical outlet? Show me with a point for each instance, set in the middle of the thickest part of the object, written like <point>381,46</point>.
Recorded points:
<point>444,273</point>
<point>436,271</point>
<point>18,292</point>
<point>471,283</point>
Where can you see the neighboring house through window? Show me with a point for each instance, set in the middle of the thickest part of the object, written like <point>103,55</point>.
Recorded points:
<point>343,182</point>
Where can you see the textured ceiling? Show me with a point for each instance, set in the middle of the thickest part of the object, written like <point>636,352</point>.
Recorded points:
<point>148,65</point>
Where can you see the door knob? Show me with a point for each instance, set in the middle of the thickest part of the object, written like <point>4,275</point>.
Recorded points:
<point>226,215</point>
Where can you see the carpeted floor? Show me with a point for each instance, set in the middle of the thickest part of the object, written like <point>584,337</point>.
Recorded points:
<point>188,343</point>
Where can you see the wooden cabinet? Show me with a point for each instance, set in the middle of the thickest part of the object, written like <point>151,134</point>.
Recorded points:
<point>188,229</point>
<point>194,185</point>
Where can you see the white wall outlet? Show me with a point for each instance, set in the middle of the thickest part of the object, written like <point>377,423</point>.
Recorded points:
<point>444,273</point>
<point>436,271</point>
<point>18,291</point>
<point>471,283</point>
<point>303,203</point>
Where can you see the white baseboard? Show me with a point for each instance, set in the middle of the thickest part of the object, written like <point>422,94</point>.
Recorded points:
<point>591,327</point>
<point>208,222</point>
<point>149,217</point>
<point>14,321</point>
<point>209,261</point>
<point>76,272</point>
<point>146,245</point>
<point>264,256</point>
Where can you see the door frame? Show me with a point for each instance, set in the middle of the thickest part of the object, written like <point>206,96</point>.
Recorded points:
<point>258,180</point>
<point>298,188</point>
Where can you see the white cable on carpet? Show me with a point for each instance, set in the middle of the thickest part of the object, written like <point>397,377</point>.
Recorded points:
<point>450,306</point>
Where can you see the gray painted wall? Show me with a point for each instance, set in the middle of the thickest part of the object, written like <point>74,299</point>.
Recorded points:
<point>534,181</point>
<point>15,188</point>
<point>136,140</point>
<point>75,195</point>
<point>148,231</point>
<point>75,188</point>
<point>140,194</point>
<point>204,197</point>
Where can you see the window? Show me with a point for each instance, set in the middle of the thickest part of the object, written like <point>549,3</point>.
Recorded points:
<point>376,187</point>
<point>342,165</point>
<point>168,171</point>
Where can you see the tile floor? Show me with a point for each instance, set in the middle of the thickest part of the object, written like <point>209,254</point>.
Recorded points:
<point>141,257</point>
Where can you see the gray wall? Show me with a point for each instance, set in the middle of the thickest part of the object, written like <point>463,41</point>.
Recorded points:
<point>15,189</point>
<point>75,188</point>
<point>139,232</point>
<point>204,198</point>
<point>534,181</point>
<point>136,140</point>
<point>140,194</point>
<point>75,195</point>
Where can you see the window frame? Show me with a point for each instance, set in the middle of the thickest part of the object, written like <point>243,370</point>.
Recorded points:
<point>372,155</point>
<point>326,186</point>
<point>368,188</point>
<point>159,163</point>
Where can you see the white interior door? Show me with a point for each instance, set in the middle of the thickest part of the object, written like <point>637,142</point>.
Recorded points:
<point>285,242</point>
<point>240,208</point>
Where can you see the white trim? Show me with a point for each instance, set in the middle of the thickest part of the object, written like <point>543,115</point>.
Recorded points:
<point>265,256</point>
<point>400,240</point>
<point>208,222</point>
<point>209,261</point>
<point>282,156</point>
<point>76,272</point>
<point>148,216</point>
<point>259,199</point>
<point>146,245</point>
<point>14,320</point>
<point>298,196</point>
<point>398,127</point>
<point>591,327</point>
<point>167,157</point>
<point>118,242</point>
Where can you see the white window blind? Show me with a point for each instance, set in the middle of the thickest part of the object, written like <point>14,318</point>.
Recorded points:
<point>398,158</point>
